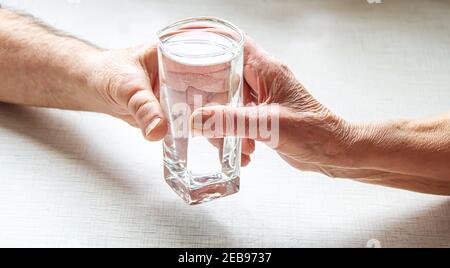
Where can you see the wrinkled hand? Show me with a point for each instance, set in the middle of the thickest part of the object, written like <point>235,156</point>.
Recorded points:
<point>310,137</point>
<point>306,134</point>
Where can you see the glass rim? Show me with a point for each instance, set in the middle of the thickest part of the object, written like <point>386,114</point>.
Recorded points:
<point>240,42</point>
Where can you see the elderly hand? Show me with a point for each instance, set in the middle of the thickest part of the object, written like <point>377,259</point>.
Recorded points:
<point>407,154</point>
<point>309,137</point>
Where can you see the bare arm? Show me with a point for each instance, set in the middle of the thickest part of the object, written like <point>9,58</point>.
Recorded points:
<point>416,148</point>
<point>40,66</point>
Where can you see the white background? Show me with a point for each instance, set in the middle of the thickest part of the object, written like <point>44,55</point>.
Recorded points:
<point>80,179</point>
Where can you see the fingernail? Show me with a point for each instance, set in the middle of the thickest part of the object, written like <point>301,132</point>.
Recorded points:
<point>198,119</point>
<point>152,126</point>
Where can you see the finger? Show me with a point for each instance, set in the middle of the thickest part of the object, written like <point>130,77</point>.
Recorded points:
<point>248,146</point>
<point>218,143</point>
<point>148,57</point>
<point>259,69</point>
<point>145,109</point>
<point>245,160</point>
<point>257,122</point>
<point>249,95</point>
<point>254,52</point>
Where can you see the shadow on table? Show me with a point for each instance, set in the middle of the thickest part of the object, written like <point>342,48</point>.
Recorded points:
<point>180,225</point>
<point>428,228</point>
<point>42,126</point>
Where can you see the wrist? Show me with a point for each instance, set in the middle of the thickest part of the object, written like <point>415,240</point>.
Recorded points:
<point>339,148</point>
<point>89,82</point>
<point>378,145</point>
<point>71,74</point>
<point>359,144</point>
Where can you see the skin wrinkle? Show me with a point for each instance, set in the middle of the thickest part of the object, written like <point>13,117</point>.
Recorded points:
<point>387,139</point>
<point>407,154</point>
<point>40,66</point>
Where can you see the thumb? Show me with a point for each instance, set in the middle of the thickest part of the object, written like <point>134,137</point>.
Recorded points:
<point>146,110</point>
<point>260,122</point>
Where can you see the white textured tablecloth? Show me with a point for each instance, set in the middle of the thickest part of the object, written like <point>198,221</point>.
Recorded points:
<point>81,179</point>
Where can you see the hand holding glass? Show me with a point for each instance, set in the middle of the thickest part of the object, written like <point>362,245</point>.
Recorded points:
<point>200,64</point>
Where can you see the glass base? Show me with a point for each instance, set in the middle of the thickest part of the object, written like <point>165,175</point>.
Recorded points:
<point>200,189</point>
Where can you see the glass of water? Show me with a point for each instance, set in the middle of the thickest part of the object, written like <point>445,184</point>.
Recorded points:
<point>200,64</point>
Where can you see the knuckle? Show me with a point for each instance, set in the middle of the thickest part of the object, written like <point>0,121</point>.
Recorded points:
<point>139,100</point>
<point>146,111</point>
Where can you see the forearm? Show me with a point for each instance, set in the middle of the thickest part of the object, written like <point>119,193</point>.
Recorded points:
<point>418,148</point>
<point>408,182</point>
<point>41,68</point>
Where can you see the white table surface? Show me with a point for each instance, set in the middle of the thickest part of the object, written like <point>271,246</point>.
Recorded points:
<point>80,179</point>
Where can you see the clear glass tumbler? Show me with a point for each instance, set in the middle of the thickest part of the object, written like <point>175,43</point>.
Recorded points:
<point>200,64</point>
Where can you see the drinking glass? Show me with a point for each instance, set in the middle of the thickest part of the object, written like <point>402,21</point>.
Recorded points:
<point>200,64</point>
